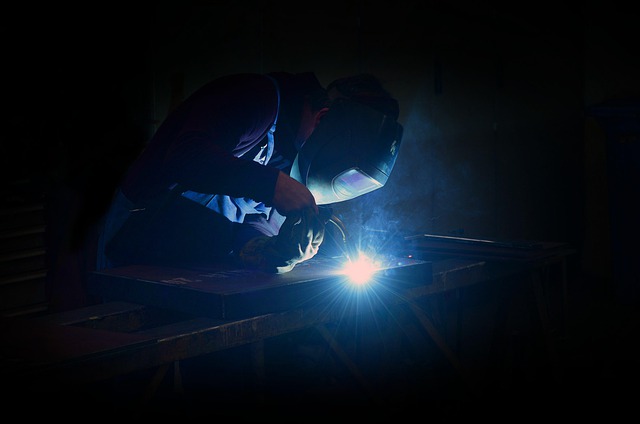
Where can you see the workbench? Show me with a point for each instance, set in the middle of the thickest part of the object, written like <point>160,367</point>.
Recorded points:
<point>153,318</point>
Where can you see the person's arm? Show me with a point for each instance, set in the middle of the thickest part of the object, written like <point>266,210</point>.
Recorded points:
<point>204,167</point>
<point>222,173</point>
<point>213,129</point>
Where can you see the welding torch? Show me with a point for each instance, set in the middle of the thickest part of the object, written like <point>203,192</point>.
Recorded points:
<point>350,250</point>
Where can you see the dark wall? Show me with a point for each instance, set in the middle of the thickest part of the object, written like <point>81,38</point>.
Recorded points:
<point>74,119</point>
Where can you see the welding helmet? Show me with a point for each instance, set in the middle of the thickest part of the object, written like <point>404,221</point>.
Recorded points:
<point>351,152</point>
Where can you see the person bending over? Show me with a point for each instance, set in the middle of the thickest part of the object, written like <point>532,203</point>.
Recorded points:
<point>215,182</point>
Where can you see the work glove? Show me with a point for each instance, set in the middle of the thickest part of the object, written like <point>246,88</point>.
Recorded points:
<point>298,240</point>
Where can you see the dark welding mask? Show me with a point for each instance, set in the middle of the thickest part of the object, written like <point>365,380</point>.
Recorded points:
<point>351,152</point>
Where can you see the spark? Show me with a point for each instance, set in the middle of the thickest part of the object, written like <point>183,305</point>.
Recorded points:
<point>360,270</point>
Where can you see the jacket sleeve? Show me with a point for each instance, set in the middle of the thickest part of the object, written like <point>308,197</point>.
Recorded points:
<point>214,170</point>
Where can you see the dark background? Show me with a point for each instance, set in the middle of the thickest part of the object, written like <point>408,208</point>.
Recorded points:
<point>502,106</point>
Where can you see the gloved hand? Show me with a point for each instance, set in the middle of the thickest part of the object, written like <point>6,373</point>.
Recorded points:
<point>298,240</point>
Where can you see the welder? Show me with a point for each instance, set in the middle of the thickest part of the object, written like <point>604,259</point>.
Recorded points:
<point>244,168</point>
